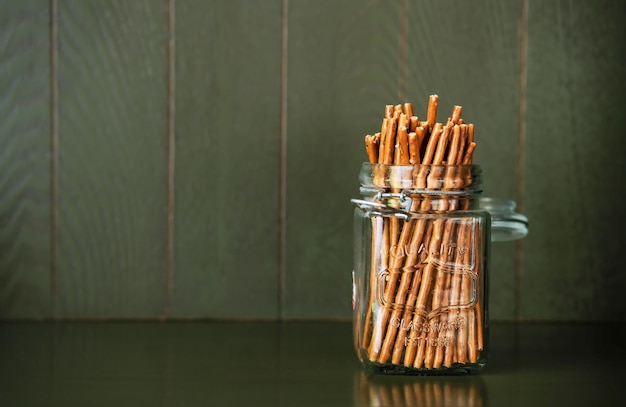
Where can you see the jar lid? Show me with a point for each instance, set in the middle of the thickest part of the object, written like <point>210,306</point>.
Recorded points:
<point>506,224</point>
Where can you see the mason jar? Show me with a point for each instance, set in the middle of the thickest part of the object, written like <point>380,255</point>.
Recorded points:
<point>421,265</point>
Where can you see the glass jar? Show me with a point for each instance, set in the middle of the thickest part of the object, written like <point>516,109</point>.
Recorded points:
<point>421,263</point>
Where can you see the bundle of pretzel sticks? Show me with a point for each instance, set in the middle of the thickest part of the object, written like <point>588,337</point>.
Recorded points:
<point>424,308</point>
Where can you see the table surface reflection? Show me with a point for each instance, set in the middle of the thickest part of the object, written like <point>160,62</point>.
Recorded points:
<point>292,364</point>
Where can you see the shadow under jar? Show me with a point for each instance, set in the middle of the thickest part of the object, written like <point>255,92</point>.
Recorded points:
<point>421,263</point>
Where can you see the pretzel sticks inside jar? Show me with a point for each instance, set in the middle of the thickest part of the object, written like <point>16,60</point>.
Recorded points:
<point>427,315</point>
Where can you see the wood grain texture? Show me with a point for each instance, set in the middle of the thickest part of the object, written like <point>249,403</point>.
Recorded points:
<point>342,70</point>
<point>24,161</point>
<point>112,158</point>
<point>227,159</point>
<point>467,53</point>
<point>573,257</point>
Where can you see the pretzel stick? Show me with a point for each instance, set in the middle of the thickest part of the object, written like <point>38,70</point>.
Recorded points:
<point>431,117</point>
<point>413,123</point>
<point>397,110</point>
<point>390,293</point>
<point>414,148</point>
<point>410,357</point>
<point>372,147</point>
<point>401,157</point>
<point>442,288</point>
<point>388,111</point>
<point>390,140</point>
<point>421,183</point>
<point>377,231</point>
<point>383,140</point>
<point>455,288</point>
<point>408,109</point>
<point>477,309</point>
<point>402,290</point>
<point>435,171</point>
<point>420,178</point>
<point>383,262</point>
<point>386,156</point>
<point>437,299</point>
<point>398,244</point>
<point>466,332</point>
<point>450,181</point>
<point>456,114</point>
<point>433,183</point>
<point>402,152</point>
<point>417,255</point>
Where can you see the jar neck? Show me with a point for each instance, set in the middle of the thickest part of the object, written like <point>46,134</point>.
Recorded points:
<point>423,188</point>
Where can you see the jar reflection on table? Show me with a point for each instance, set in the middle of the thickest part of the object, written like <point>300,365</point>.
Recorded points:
<point>434,391</point>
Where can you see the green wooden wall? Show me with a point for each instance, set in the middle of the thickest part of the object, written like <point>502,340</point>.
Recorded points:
<point>180,159</point>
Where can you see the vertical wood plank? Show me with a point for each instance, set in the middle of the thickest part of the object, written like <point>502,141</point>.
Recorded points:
<point>112,158</point>
<point>24,160</point>
<point>467,53</point>
<point>573,256</point>
<point>342,70</point>
<point>227,159</point>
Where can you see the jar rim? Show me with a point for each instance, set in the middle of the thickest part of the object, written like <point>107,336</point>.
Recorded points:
<point>433,177</point>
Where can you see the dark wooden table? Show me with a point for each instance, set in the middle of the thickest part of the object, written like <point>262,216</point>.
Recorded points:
<point>293,364</point>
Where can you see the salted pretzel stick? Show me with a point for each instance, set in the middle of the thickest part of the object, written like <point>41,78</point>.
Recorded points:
<point>420,178</point>
<point>419,242</point>
<point>398,178</point>
<point>442,287</point>
<point>383,262</point>
<point>413,123</point>
<point>390,140</point>
<point>414,148</point>
<point>402,152</point>
<point>455,288</point>
<point>390,294</point>
<point>386,156</point>
<point>388,111</point>
<point>433,141</point>
<point>462,175</point>
<point>435,172</point>
<point>429,153</point>
<point>450,180</point>
<point>456,114</point>
<point>372,147</point>
<point>431,117</point>
<point>464,349</point>
<point>463,142</point>
<point>408,109</point>
<point>433,183</point>
<point>437,291</point>
<point>453,158</point>
<point>397,111</point>
<point>388,152</point>
<point>397,244</point>
<point>478,307</point>
<point>377,231</point>
<point>442,144</point>
<point>383,140</point>
<point>464,298</point>
<point>426,160</point>
<point>417,337</point>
